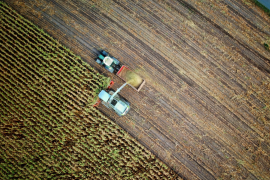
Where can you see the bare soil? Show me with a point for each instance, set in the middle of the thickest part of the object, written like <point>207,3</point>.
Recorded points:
<point>205,107</point>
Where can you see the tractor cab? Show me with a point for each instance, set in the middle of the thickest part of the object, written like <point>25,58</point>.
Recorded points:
<point>110,63</point>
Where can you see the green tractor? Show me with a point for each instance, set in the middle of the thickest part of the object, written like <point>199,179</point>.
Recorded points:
<point>111,99</point>
<point>110,63</point>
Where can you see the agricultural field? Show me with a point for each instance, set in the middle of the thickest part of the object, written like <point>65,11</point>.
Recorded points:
<point>49,128</point>
<point>205,108</point>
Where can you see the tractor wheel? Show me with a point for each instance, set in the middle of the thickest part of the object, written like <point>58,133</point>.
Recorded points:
<point>104,53</point>
<point>98,61</point>
<point>117,68</point>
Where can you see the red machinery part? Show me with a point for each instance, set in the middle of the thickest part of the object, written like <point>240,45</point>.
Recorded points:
<point>99,100</point>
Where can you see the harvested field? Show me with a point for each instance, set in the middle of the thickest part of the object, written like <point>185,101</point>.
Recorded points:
<point>49,128</point>
<point>205,107</point>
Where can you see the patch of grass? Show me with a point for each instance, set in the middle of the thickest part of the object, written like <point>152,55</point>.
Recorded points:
<point>266,46</point>
<point>241,162</point>
<point>265,9</point>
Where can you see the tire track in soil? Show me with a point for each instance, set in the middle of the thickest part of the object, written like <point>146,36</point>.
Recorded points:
<point>207,95</point>
<point>262,68</point>
<point>192,91</point>
<point>226,123</point>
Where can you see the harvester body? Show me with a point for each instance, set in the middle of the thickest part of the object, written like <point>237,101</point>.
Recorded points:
<point>113,101</point>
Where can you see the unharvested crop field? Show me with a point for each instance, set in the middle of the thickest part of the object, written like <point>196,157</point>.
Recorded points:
<point>204,109</point>
<point>49,128</point>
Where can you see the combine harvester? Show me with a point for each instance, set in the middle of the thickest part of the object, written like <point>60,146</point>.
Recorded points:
<point>110,98</point>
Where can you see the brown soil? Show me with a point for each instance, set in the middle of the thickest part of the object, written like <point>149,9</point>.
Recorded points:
<point>205,107</point>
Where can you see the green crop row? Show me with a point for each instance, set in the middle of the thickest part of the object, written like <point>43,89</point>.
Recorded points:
<point>49,128</point>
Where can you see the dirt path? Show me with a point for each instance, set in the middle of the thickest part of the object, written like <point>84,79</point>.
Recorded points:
<point>204,109</point>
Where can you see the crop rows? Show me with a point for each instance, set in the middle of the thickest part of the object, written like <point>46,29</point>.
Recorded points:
<point>49,127</point>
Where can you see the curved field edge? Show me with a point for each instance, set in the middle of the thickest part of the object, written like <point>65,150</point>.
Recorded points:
<point>48,127</point>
